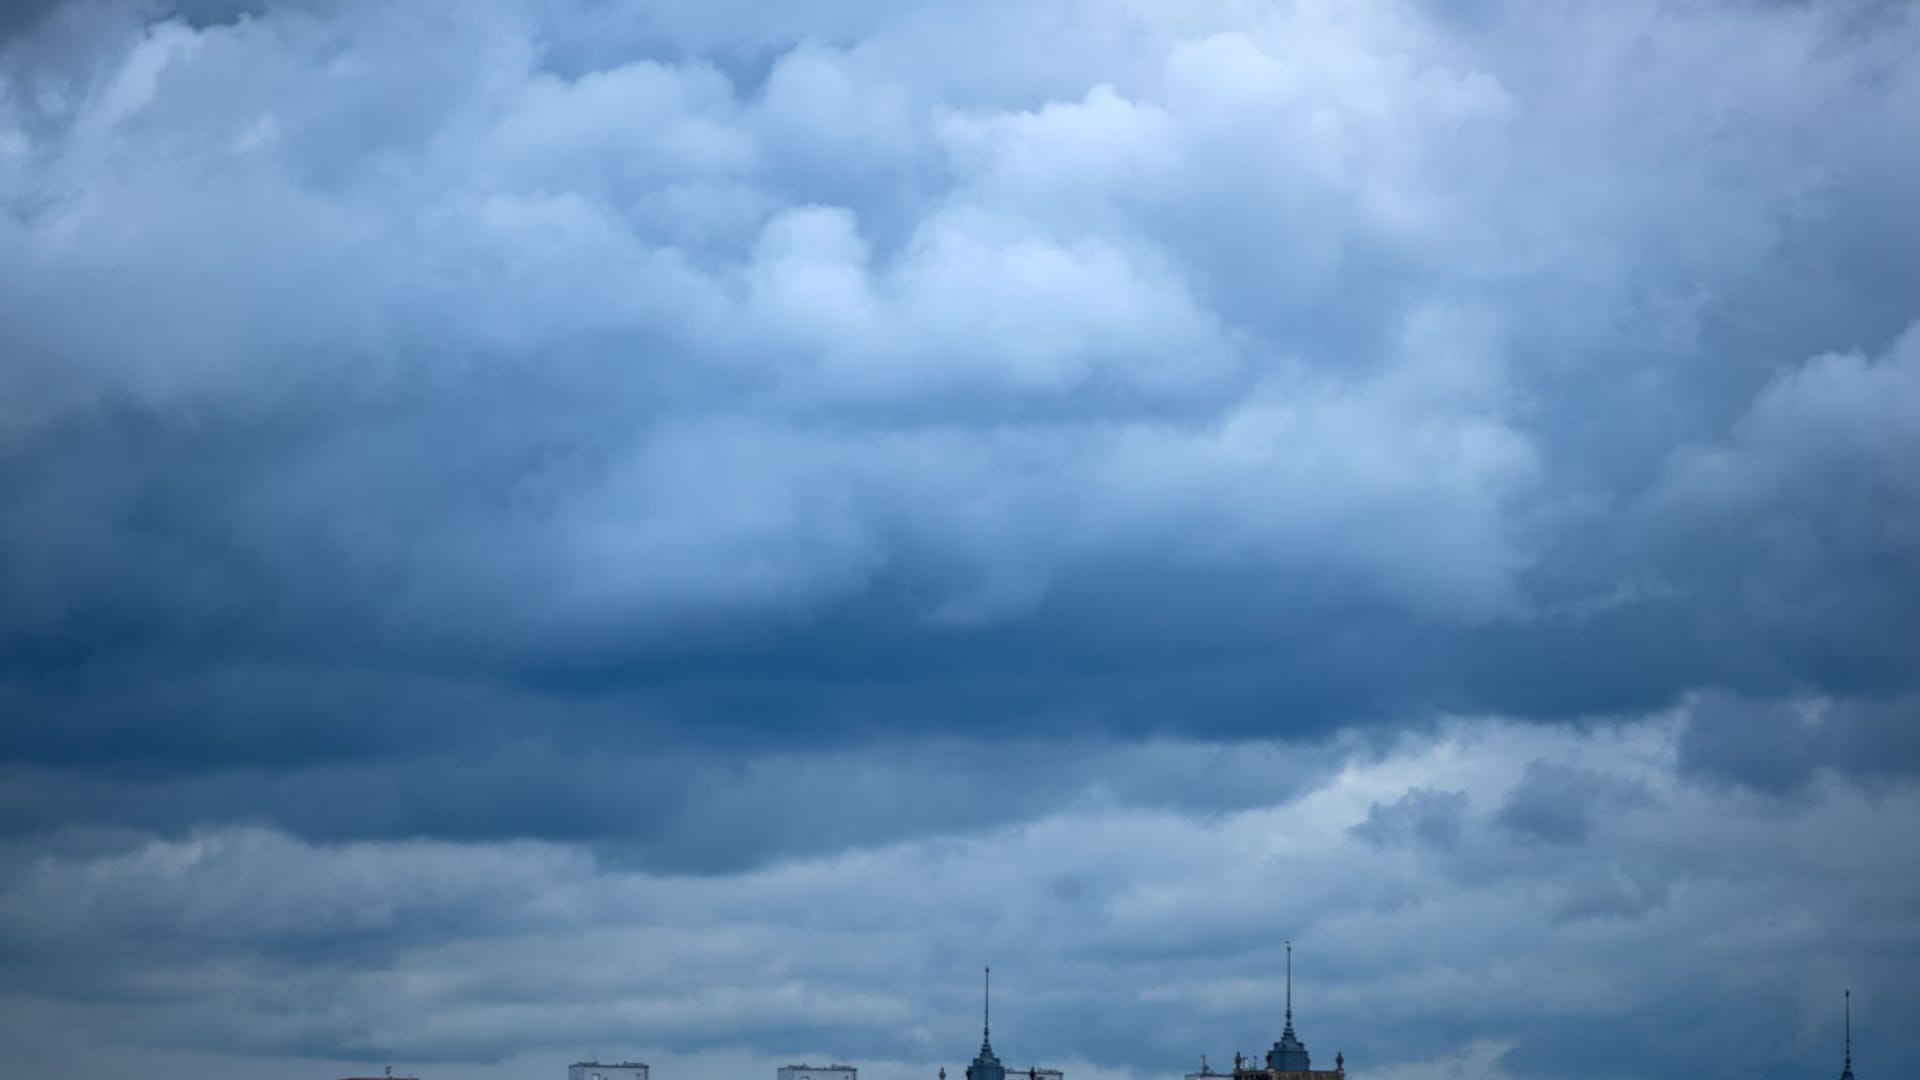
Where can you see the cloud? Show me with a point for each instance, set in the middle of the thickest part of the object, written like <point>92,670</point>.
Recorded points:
<point>1560,804</point>
<point>645,390</point>
<point>864,486</point>
<point>1802,517</point>
<point>1421,815</point>
<point>1782,748</point>
<point>1097,915</point>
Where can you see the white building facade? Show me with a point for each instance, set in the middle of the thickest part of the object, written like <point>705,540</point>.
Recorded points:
<point>817,1072</point>
<point>593,1070</point>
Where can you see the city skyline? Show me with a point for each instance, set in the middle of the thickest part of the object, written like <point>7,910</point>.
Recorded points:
<point>1276,1065</point>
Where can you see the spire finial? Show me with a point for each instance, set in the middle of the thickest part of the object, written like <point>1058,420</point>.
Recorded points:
<point>986,1009</point>
<point>1289,984</point>
<point>1846,1071</point>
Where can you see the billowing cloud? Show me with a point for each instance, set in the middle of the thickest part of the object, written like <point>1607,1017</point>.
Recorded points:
<point>458,461</point>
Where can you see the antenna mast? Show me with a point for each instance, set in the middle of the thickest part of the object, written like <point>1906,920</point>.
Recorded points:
<point>1289,985</point>
<point>1846,1072</point>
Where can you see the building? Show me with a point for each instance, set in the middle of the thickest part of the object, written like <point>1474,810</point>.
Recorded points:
<point>594,1070</point>
<point>817,1072</point>
<point>986,1065</point>
<point>1288,1058</point>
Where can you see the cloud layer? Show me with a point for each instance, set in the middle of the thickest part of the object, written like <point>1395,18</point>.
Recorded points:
<point>568,478</point>
<point>1671,919</point>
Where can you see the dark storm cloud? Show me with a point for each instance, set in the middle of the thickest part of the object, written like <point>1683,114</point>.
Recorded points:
<point>680,809</point>
<point>636,398</point>
<point>458,461</point>
<point>1781,747</point>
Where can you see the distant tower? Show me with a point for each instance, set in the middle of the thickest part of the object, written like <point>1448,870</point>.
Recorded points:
<point>1846,1070</point>
<point>985,1065</point>
<point>1289,1054</point>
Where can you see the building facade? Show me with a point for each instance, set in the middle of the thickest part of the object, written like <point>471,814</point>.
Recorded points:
<point>594,1070</point>
<point>817,1072</point>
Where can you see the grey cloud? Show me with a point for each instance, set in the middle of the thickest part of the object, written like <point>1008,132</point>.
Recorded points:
<point>683,808</point>
<point>1780,748</point>
<point>1562,804</point>
<point>1614,890</point>
<point>868,485</point>
<point>624,400</point>
<point>1038,371</point>
<point>23,15</point>
<point>1169,944</point>
<point>1803,519</point>
<point>1422,815</point>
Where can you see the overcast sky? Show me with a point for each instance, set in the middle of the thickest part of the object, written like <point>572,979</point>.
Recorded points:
<point>683,529</point>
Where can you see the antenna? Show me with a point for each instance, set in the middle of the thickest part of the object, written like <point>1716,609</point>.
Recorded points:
<point>986,1009</point>
<point>1849,1029</point>
<point>1289,985</point>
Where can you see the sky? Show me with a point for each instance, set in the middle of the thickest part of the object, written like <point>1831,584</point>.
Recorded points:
<point>535,530</point>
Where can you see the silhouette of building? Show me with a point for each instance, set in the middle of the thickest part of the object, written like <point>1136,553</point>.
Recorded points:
<point>1287,1059</point>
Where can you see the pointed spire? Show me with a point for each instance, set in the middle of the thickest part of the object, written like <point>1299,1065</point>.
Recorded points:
<point>986,1011</point>
<point>1289,1055</point>
<point>1846,1072</point>
<point>986,1066</point>
<point>1289,985</point>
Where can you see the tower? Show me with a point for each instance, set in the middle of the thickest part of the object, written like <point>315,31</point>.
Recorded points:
<point>1289,1054</point>
<point>985,1065</point>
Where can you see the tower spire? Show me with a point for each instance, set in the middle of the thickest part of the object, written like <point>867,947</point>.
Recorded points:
<point>1846,1072</point>
<point>1289,985</point>
<point>1289,1055</point>
<point>986,1066</point>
